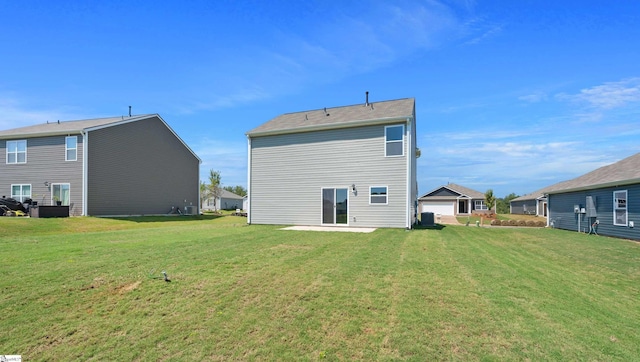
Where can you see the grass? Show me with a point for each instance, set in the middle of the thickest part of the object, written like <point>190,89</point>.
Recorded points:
<point>92,289</point>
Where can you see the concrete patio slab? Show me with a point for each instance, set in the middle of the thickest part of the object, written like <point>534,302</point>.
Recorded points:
<point>330,228</point>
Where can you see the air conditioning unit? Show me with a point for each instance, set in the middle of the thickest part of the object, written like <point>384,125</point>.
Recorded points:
<point>189,210</point>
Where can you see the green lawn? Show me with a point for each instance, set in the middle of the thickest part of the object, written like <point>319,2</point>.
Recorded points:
<point>92,289</point>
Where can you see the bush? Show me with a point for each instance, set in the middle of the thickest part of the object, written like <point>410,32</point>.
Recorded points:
<point>496,222</point>
<point>513,222</point>
<point>541,223</point>
<point>522,223</point>
<point>531,223</point>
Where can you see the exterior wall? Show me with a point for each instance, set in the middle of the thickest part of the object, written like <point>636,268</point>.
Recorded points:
<point>561,214</point>
<point>523,207</point>
<point>45,162</point>
<point>288,172</point>
<point>139,168</point>
<point>224,203</point>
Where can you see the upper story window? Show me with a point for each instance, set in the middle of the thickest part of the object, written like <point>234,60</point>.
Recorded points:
<point>71,148</point>
<point>394,140</point>
<point>620,208</point>
<point>378,195</point>
<point>480,205</point>
<point>17,151</point>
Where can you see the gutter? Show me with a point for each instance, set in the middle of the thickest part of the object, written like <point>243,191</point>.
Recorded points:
<point>248,179</point>
<point>596,186</point>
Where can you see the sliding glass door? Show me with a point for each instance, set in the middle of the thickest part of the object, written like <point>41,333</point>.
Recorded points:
<point>335,206</point>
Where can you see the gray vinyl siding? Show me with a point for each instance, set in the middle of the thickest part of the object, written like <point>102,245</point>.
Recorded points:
<point>139,168</point>
<point>288,173</point>
<point>45,162</point>
<point>518,207</point>
<point>560,209</point>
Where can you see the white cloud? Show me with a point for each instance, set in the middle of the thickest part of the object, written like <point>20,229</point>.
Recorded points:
<point>15,113</point>
<point>230,158</point>
<point>608,95</point>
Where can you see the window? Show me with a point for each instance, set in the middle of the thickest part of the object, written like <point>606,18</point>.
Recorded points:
<point>394,140</point>
<point>17,151</point>
<point>60,192</point>
<point>21,192</point>
<point>480,205</point>
<point>620,208</point>
<point>71,147</point>
<point>378,195</point>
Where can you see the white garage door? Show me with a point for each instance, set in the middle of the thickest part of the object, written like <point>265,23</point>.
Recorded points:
<point>442,208</point>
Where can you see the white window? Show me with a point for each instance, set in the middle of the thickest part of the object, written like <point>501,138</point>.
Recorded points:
<point>394,140</point>
<point>61,192</point>
<point>21,192</point>
<point>17,151</point>
<point>71,148</point>
<point>480,205</point>
<point>620,208</point>
<point>378,195</point>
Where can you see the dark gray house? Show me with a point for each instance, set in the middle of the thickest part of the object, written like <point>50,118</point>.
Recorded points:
<point>453,199</point>
<point>344,166</point>
<point>606,199</point>
<point>101,167</point>
<point>534,203</point>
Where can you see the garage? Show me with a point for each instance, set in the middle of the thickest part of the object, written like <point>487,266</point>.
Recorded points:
<point>438,207</point>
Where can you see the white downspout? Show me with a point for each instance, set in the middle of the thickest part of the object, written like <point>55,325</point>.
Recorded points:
<point>248,179</point>
<point>85,144</point>
<point>410,153</point>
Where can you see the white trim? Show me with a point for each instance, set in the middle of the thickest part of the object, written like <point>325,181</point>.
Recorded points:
<point>248,180</point>
<point>6,146</point>
<point>379,203</point>
<point>386,142</point>
<point>85,151</point>
<point>60,183</point>
<point>21,191</point>
<point>626,207</point>
<point>67,149</point>
<point>411,152</point>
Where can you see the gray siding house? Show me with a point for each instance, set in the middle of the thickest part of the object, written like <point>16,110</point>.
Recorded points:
<point>606,199</point>
<point>453,199</point>
<point>101,167</point>
<point>345,166</point>
<point>534,203</point>
<point>226,200</point>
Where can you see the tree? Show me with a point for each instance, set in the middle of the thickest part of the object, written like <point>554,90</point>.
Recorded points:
<point>204,193</point>
<point>215,179</point>
<point>489,198</point>
<point>238,190</point>
<point>503,203</point>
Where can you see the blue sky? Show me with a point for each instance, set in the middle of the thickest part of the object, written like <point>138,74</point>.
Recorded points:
<point>510,95</point>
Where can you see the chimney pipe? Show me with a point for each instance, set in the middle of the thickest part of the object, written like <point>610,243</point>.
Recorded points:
<point>129,111</point>
<point>366,103</point>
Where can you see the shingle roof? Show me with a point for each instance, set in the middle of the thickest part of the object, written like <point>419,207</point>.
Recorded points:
<point>337,117</point>
<point>66,127</point>
<point>455,188</point>
<point>623,172</point>
<point>228,195</point>
<point>540,193</point>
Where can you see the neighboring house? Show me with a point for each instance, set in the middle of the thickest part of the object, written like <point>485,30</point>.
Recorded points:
<point>101,167</point>
<point>226,201</point>
<point>534,203</point>
<point>452,199</point>
<point>609,195</point>
<point>345,166</point>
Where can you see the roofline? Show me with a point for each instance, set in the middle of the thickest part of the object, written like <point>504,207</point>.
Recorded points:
<point>596,186</point>
<point>75,131</point>
<point>351,124</point>
<point>461,194</point>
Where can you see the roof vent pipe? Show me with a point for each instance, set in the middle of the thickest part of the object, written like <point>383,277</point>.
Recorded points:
<point>366,102</point>
<point>129,111</point>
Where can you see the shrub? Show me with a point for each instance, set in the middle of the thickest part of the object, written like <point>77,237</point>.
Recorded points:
<point>541,223</point>
<point>522,223</point>
<point>496,222</point>
<point>531,223</point>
